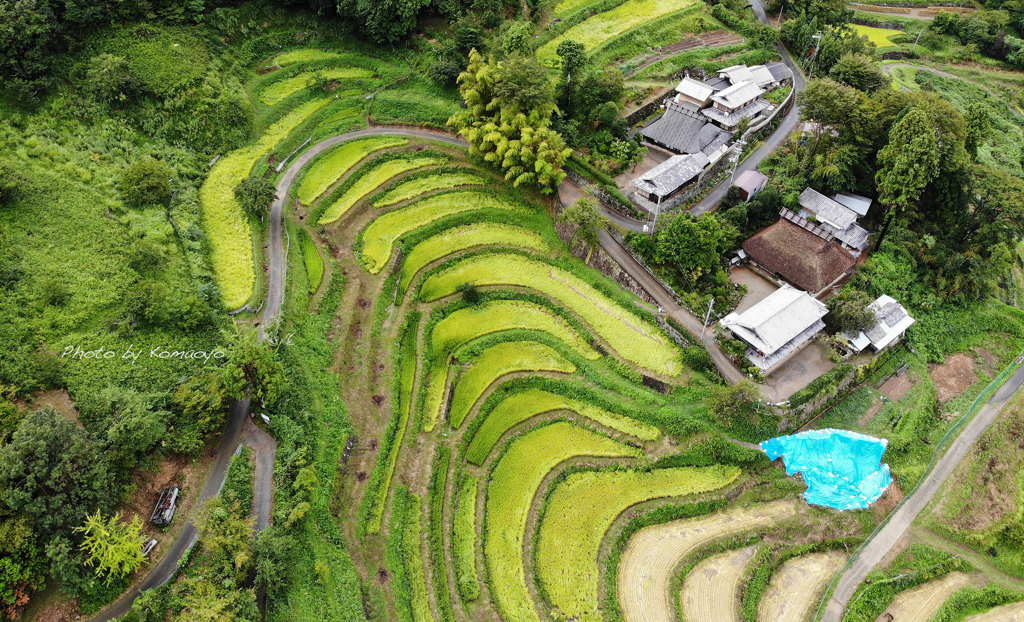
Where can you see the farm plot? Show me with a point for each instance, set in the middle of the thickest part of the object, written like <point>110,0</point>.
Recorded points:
<point>603,27</point>
<point>514,482</point>
<point>922,602</point>
<point>521,406</point>
<point>314,263</point>
<point>1013,612</point>
<point>223,219</point>
<point>415,187</point>
<point>464,539</point>
<point>379,237</point>
<point>583,508</point>
<point>414,559</point>
<point>645,570</point>
<point>467,324</point>
<point>797,585</point>
<point>711,590</point>
<point>633,338</point>
<point>329,167</point>
<point>496,361</point>
<point>467,236</point>
<point>370,182</point>
<point>283,89</point>
<point>878,36</point>
<point>304,56</point>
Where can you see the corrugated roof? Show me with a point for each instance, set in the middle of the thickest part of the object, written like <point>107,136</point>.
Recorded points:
<point>857,203</point>
<point>739,94</point>
<point>751,181</point>
<point>737,74</point>
<point>718,84</point>
<point>774,322</point>
<point>730,120</point>
<point>893,320</point>
<point>695,89</point>
<point>672,173</point>
<point>854,236</point>
<point>826,210</point>
<point>799,256</point>
<point>779,70</point>
<point>762,77</point>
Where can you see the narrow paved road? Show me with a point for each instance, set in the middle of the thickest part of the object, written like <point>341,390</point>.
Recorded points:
<point>912,506</point>
<point>785,128</point>
<point>264,449</point>
<point>164,569</point>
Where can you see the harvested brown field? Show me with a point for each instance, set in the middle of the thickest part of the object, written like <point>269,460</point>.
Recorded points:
<point>710,591</point>
<point>652,553</point>
<point>1007,613</point>
<point>922,602</point>
<point>897,386</point>
<point>797,585</point>
<point>953,377</point>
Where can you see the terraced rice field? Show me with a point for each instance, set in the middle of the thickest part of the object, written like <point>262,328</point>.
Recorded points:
<point>380,236</point>
<point>304,56</point>
<point>521,406</point>
<point>458,239</point>
<point>603,27</point>
<point>711,590</point>
<point>795,589</point>
<point>226,225</point>
<point>504,358</point>
<point>581,511</point>
<point>1013,612</point>
<point>633,338</point>
<point>424,185</point>
<point>922,602</point>
<point>331,166</point>
<point>514,481</point>
<point>283,89</point>
<point>878,36</point>
<point>371,181</point>
<point>314,263</point>
<point>650,555</point>
<point>464,540</point>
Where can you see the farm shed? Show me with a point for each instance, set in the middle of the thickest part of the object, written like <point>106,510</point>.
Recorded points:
<point>796,250</point>
<point>777,326</point>
<point>671,176</point>
<point>892,322</point>
<point>750,183</point>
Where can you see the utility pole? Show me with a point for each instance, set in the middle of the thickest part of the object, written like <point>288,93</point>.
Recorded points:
<point>706,318</point>
<point>817,46</point>
<point>919,33</point>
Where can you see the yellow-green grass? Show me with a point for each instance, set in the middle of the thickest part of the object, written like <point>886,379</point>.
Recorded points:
<point>633,338</point>
<point>583,508</point>
<point>379,238</point>
<point>311,257</point>
<point>495,362</point>
<point>467,236</point>
<point>568,6</point>
<point>430,183</point>
<point>878,36</point>
<point>603,27</point>
<point>370,182</point>
<point>467,324</point>
<point>283,89</point>
<point>303,56</point>
<point>513,484</point>
<point>226,225</point>
<point>464,539</point>
<point>521,406</point>
<point>414,562</point>
<point>328,168</point>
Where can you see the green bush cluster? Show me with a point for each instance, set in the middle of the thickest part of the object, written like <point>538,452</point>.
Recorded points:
<point>826,384</point>
<point>972,600</point>
<point>238,483</point>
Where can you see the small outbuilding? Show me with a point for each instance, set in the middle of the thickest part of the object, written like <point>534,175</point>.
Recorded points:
<point>892,322</point>
<point>694,92</point>
<point>750,183</point>
<point>777,326</point>
<point>835,217</point>
<point>855,202</point>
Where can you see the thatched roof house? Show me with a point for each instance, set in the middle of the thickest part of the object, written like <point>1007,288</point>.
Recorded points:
<point>810,260</point>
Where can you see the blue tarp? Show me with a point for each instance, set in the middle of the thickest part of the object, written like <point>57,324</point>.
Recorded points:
<point>842,469</point>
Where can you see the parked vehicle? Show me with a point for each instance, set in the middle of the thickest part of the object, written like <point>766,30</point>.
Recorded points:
<point>163,513</point>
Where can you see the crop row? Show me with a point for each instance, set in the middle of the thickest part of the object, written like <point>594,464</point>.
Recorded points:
<point>504,358</point>
<point>226,225</point>
<point>520,406</point>
<point>513,484</point>
<point>329,167</point>
<point>314,262</point>
<point>461,238</point>
<point>379,237</point>
<point>469,323</point>
<point>416,187</point>
<point>604,27</point>
<point>282,89</point>
<point>464,539</point>
<point>438,479</point>
<point>580,512</point>
<point>414,562</point>
<point>633,338</point>
<point>370,182</point>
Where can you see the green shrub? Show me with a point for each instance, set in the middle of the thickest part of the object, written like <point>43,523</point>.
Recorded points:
<point>238,483</point>
<point>972,600</point>
<point>146,181</point>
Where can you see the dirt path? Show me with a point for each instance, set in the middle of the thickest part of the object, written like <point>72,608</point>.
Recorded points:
<point>901,519</point>
<point>917,12</point>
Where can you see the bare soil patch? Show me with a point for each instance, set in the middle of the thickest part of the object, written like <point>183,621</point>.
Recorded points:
<point>896,387</point>
<point>59,400</point>
<point>888,501</point>
<point>953,377</point>
<point>795,588</point>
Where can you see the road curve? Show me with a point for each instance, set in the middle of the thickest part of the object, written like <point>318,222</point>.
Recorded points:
<point>905,514</point>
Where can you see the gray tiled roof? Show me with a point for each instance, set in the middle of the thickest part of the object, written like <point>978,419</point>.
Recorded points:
<point>730,120</point>
<point>854,236</point>
<point>718,84</point>
<point>683,131</point>
<point>826,210</point>
<point>672,173</point>
<point>779,70</point>
<point>739,94</point>
<point>773,323</point>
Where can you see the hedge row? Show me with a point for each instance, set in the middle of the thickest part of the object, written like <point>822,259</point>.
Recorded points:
<point>970,601</point>
<point>827,382</point>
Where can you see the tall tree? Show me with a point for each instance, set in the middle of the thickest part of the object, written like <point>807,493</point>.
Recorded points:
<point>860,72</point>
<point>978,119</point>
<point>693,245</point>
<point>909,162</point>
<point>586,217</point>
<point>115,548</point>
<point>252,370</point>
